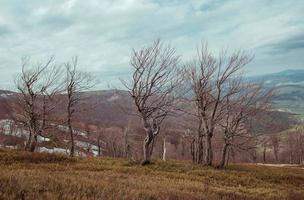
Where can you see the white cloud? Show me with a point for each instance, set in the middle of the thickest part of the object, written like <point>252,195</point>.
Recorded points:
<point>102,33</point>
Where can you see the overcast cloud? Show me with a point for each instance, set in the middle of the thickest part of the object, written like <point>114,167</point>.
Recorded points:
<point>102,32</point>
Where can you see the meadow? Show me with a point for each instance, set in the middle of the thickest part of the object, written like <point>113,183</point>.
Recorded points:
<point>25,175</point>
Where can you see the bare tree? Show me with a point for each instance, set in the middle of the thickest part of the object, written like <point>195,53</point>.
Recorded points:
<point>37,87</point>
<point>99,139</point>
<point>126,131</point>
<point>295,145</point>
<point>152,88</point>
<point>164,149</point>
<point>75,83</point>
<point>275,143</point>
<point>209,76</point>
<point>240,108</point>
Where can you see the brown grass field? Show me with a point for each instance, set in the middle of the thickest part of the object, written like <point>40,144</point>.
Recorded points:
<point>47,176</point>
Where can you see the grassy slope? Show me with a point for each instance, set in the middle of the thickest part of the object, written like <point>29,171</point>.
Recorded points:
<point>45,176</point>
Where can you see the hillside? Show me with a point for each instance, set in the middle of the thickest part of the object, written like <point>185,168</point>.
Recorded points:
<point>289,85</point>
<point>286,77</point>
<point>49,176</point>
<point>106,115</point>
<point>104,105</point>
<point>115,107</point>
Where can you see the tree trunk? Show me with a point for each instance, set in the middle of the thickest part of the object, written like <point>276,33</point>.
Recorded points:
<point>183,149</point>
<point>33,144</point>
<point>29,141</point>
<point>147,149</point>
<point>302,157</point>
<point>152,145</point>
<point>224,154</point>
<point>69,122</point>
<point>228,156</point>
<point>198,148</point>
<point>192,149</point>
<point>33,135</point>
<point>113,149</point>
<point>164,150</point>
<point>99,151</point>
<point>264,155</point>
<point>72,150</point>
<point>199,145</point>
<point>208,155</point>
<point>254,156</point>
<point>151,133</point>
<point>232,153</point>
<point>32,130</point>
<point>126,147</point>
<point>275,152</point>
<point>200,155</point>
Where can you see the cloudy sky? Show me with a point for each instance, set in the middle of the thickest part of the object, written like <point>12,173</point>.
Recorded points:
<point>102,32</point>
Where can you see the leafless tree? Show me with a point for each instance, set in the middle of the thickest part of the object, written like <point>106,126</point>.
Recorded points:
<point>192,135</point>
<point>246,102</point>
<point>99,139</point>
<point>37,87</point>
<point>275,143</point>
<point>152,88</point>
<point>126,131</point>
<point>209,76</point>
<point>295,145</point>
<point>75,83</point>
<point>164,149</point>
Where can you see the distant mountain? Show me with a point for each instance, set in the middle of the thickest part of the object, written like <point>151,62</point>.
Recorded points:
<point>290,89</point>
<point>4,96</point>
<point>113,106</point>
<point>111,110</point>
<point>5,93</point>
<point>287,77</point>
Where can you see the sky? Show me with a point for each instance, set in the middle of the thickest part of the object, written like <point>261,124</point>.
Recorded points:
<point>102,33</point>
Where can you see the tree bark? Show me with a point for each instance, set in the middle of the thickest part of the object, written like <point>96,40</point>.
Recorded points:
<point>228,156</point>
<point>72,149</point>
<point>302,157</point>
<point>34,144</point>
<point>99,150</point>
<point>147,149</point>
<point>69,122</point>
<point>29,141</point>
<point>164,150</point>
<point>264,155</point>
<point>192,149</point>
<point>33,132</point>
<point>200,156</point>
<point>152,144</point>
<point>224,155</point>
<point>126,147</point>
<point>209,153</point>
<point>276,156</point>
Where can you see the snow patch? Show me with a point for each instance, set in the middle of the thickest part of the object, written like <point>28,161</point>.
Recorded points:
<point>113,98</point>
<point>54,150</point>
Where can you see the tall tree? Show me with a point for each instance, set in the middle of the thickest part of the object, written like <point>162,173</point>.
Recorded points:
<point>75,83</point>
<point>152,88</point>
<point>240,108</point>
<point>209,76</point>
<point>37,86</point>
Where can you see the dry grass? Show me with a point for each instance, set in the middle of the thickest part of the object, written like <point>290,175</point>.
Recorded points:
<point>45,176</point>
